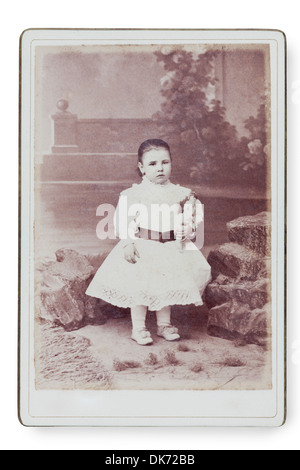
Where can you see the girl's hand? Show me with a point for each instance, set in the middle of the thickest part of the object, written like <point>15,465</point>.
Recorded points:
<point>184,231</point>
<point>131,253</point>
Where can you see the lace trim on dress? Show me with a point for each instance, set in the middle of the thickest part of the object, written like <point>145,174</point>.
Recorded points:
<point>153,302</point>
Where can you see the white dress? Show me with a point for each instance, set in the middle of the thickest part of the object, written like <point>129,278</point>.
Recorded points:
<point>169,273</point>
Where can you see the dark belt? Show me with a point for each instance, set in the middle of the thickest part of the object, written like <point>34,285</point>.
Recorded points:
<point>161,237</point>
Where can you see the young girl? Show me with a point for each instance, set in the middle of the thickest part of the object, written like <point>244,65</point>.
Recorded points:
<point>155,265</point>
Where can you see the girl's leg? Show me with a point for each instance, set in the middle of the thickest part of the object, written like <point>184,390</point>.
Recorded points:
<point>163,316</point>
<point>164,327</point>
<point>139,332</point>
<point>138,317</point>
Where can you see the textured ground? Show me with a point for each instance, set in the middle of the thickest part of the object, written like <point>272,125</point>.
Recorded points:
<point>104,357</point>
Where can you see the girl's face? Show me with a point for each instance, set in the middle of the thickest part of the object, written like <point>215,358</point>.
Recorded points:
<point>157,165</point>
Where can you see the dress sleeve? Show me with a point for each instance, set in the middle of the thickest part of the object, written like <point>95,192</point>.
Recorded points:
<point>125,218</point>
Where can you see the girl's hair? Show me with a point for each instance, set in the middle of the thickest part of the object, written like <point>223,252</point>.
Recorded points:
<point>151,144</point>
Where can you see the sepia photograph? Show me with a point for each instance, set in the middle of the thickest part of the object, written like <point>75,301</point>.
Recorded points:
<point>152,214</point>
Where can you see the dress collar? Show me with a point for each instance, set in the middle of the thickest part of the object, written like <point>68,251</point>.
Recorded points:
<point>149,183</point>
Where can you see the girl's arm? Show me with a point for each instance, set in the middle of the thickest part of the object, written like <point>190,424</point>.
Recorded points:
<point>125,225</point>
<point>126,228</point>
<point>199,214</point>
<point>191,217</point>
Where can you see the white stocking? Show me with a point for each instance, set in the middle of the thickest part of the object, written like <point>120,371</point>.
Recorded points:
<point>163,316</point>
<point>138,317</point>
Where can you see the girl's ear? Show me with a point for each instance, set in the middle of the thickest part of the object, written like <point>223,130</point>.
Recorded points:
<point>141,166</point>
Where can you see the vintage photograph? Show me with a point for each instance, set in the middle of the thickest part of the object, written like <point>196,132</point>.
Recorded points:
<point>152,216</point>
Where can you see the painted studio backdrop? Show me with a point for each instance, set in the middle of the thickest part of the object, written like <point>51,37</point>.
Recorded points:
<point>94,105</point>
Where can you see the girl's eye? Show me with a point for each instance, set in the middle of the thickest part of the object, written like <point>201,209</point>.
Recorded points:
<point>152,163</point>
<point>166,162</point>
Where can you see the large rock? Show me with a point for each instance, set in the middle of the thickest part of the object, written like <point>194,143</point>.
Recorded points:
<point>234,320</point>
<point>61,287</point>
<point>255,294</point>
<point>240,292</point>
<point>235,261</point>
<point>253,232</point>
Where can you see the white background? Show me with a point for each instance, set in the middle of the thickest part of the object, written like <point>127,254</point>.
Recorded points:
<point>18,16</point>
